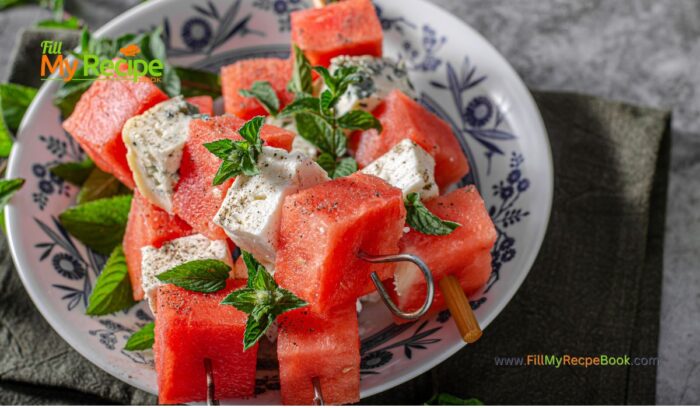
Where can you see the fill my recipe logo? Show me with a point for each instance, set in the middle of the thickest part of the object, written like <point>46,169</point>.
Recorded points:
<point>556,361</point>
<point>130,66</point>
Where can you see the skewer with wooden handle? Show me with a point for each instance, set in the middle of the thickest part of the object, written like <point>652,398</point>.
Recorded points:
<point>461,310</point>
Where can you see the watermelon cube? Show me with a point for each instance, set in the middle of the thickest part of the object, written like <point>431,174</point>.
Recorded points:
<point>465,253</point>
<point>327,347</point>
<point>242,75</point>
<point>402,118</point>
<point>195,199</point>
<point>349,28</point>
<point>192,326</point>
<point>100,114</point>
<point>204,103</point>
<point>322,230</point>
<point>147,225</point>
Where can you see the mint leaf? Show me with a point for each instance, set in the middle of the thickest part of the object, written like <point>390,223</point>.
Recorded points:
<point>112,291</point>
<point>359,120</point>
<point>99,224</point>
<point>198,83</point>
<point>263,92</point>
<point>424,221</point>
<point>15,101</point>
<point>206,276</point>
<point>301,83</point>
<point>153,47</point>
<point>100,185</point>
<point>262,299</point>
<point>142,339</point>
<point>240,156</point>
<point>71,23</point>
<point>447,399</point>
<point>8,188</point>
<point>306,104</point>
<point>74,172</point>
<point>330,81</point>
<point>336,169</point>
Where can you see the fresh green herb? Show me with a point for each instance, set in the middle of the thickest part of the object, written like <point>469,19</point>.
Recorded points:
<point>240,156</point>
<point>422,220</point>
<point>266,96</point>
<point>14,101</point>
<point>100,184</point>
<point>336,169</point>
<point>74,172</point>
<point>99,224</point>
<point>8,188</point>
<point>198,83</point>
<point>4,4</point>
<point>142,339</point>
<point>301,83</point>
<point>262,299</point>
<point>112,291</point>
<point>316,119</point>
<point>71,23</point>
<point>206,276</point>
<point>447,399</point>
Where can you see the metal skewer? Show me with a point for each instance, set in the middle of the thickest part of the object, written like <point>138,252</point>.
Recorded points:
<point>318,395</point>
<point>211,389</point>
<point>430,285</point>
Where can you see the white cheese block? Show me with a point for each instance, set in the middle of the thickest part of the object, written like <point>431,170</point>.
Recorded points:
<point>379,76</point>
<point>155,261</point>
<point>154,142</point>
<point>250,213</point>
<point>408,167</point>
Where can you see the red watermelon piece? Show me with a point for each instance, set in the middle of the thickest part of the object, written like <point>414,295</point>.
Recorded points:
<point>465,253</point>
<point>402,118</point>
<point>242,75</point>
<point>323,228</point>
<point>304,341</point>
<point>343,28</point>
<point>195,199</point>
<point>148,225</point>
<point>100,114</point>
<point>192,326</point>
<point>204,103</point>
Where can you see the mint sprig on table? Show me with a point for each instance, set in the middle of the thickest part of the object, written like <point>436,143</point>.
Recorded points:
<point>142,339</point>
<point>262,299</point>
<point>14,101</point>
<point>239,156</point>
<point>112,291</point>
<point>206,276</point>
<point>420,218</point>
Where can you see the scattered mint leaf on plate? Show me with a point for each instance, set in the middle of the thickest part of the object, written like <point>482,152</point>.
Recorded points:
<point>74,172</point>
<point>422,220</point>
<point>239,156</point>
<point>112,291</point>
<point>206,276</point>
<point>142,339</point>
<point>262,299</point>
<point>100,184</point>
<point>263,92</point>
<point>99,224</point>
<point>447,399</point>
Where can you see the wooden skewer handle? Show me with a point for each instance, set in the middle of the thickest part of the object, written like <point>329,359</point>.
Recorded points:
<point>460,309</point>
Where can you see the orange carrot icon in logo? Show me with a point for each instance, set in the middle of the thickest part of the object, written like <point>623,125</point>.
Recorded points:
<point>130,50</point>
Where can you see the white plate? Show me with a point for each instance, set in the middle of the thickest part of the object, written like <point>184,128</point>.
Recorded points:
<point>458,74</point>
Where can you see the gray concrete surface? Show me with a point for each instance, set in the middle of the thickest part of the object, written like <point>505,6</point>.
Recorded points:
<point>641,51</point>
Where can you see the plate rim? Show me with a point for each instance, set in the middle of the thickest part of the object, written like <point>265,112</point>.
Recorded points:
<point>72,338</point>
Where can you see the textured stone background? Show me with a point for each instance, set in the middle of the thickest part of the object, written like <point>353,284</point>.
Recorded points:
<point>641,51</point>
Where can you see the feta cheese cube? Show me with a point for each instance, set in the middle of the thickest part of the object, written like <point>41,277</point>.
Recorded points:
<point>154,142</point>
<point>155,261</point>
<point>378,77</point>
<point>408,167</point>
<point>250,213</point>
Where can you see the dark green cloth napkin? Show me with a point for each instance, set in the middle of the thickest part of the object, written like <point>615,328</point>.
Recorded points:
<point>594,289</point>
